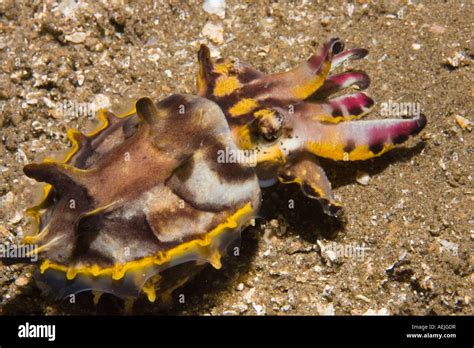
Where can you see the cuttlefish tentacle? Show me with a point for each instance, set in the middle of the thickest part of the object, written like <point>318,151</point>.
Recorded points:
<point>282,115</point>
<point>305,79</point>
<point>336,83</point>
<point>341,58</point>
<point>355,140</point>
<point>343,108</point>
<point>241,88</point>
<point>305,171</point>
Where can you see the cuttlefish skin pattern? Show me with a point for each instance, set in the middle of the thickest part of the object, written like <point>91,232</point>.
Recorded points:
<point>142,203</point>
<point>145,201</point>
<point>289,119</point>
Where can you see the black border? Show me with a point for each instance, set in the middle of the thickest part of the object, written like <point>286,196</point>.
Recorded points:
<point>288,330</point>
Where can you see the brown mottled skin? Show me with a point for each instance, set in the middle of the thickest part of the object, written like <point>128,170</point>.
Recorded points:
<point>130,185</point>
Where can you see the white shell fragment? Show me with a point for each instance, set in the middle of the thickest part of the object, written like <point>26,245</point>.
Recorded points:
<point>216,7</point>
<point>214,32</point>
<point>76,37</point>
<point>362,178</point>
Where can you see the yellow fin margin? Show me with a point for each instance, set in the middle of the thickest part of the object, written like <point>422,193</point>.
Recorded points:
<point>118,270</point>
<point>34,211</point>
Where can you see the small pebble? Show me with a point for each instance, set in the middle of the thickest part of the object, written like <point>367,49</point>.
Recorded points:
<point>373,220</point>
<point>3,230</point>
<point>463,122</point>
<point>327,253</point>
<point>77,37</point>
<point>248,296</point>
<point>382,311</point>
<point>22,281</point>
<point>100,101</point>
<point>325,309</point>
<point>259,309</point>
<point>16,218</point>
<point>49,103</point>
<point>362,178</point>
<point>363,298</point>
<point>437,29</point>
<point>457,59</point>
<point>350,9</point>
<point>36,125</point>
<point>328,291</point>
<point>451,247</point>
<point>216,7</point>
<point>241,307</point>
<point>214,32</point>
<point>80,80</point>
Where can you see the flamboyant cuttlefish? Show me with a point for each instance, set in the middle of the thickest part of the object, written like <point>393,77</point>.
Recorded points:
<point>144,202</point>
<point>288,120</point>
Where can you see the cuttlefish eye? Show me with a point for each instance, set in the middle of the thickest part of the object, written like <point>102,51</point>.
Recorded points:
<point>270,125</point>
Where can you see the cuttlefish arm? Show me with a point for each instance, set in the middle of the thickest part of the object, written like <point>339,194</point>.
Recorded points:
<point>310,176</point>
